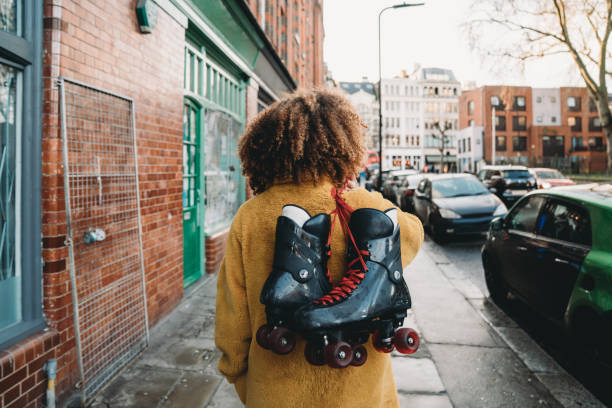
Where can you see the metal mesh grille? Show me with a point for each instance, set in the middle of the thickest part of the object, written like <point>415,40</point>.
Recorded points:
<point>101,174</point>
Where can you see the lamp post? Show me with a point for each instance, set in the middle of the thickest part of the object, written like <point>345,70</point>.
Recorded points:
<point>380,156</point>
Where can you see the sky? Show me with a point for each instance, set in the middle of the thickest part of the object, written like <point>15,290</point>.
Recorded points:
<point>428,35</point>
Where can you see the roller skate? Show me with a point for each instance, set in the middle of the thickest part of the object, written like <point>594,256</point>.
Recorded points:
<point>372,298</point>
<point>298,277</point>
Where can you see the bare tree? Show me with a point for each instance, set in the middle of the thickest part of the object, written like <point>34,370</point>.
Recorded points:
<point>442,129</point>
<point>540,28</point>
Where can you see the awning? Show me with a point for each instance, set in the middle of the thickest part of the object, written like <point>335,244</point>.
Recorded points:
<point>436,158</point>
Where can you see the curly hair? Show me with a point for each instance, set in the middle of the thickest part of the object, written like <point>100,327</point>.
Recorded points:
<point>309,135</point>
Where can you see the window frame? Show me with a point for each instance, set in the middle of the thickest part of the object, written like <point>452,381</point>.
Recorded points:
<point>24,51</point>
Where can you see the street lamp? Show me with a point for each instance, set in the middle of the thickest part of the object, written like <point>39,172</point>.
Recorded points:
<point>380,156</point>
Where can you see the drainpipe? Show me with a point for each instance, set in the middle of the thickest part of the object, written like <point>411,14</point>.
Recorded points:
<point>51,369</point>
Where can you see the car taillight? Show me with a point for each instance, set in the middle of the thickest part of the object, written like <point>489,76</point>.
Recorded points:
<point>409,193</point>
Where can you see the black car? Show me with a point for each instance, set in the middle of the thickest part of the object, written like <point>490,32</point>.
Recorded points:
<point>455,204</point>
<point>508,182</point>
<point>391,182</point>
<point>405,192</point>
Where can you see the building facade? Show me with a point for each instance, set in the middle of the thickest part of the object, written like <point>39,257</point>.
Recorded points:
<point>295,28</point>
<point>412,105</point>
<point>119,135</point>
<point>363,97</point>
<point>469,149</point>
<point>551,127</point>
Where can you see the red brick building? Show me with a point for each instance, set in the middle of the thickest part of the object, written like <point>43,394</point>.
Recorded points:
<point>552,127</point>
<point>295,28</point>
<point>121,235</point>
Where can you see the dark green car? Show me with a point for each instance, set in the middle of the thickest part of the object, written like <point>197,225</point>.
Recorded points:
<point>553,250</point>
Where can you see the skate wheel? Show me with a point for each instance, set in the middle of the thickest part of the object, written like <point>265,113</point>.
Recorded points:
<point>379,345</point>
<point>262,336</point>
<point>281,340</point>
<point>314,354</point>
<point>360,355</point>
<point>338,354</point>
<point>406,340</point>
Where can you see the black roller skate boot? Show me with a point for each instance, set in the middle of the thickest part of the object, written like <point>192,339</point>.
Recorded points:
<point>372,298</point>
<point>298,277</point>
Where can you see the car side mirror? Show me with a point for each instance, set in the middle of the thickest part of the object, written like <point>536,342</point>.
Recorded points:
<point>497,224</point>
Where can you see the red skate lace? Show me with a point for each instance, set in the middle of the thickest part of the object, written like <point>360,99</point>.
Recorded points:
<point>354,276</point>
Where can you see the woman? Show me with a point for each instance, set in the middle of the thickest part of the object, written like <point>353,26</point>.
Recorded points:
<point>294,152</point>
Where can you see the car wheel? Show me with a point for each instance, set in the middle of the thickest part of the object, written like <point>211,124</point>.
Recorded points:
<point>495,283</point>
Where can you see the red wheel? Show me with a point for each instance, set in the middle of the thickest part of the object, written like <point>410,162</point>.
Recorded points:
<point>281,340</point>
<point>262,336</point>
<point>360,355</point>
<point>338,354</point>
<point>406,340</point>
<point>314,354</point>
<point>379,345</point>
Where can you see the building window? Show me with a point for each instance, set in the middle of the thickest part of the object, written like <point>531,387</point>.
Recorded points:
<point>500,143</point>
<point>577,143</point>
<point>471,122</point>
<point>538,99</point>
<point>596,142</point>
<point>553,99</point>
<point>470,107</point>
<point>519,103</point>
<point>594,124</point>
<point>20,171</point>
<point>539,119</point>
<point>575,123</point>
<point>553,119</point>
<point>500,123</point>
<point>592,105</point>
<point>495,101</point>
<point>469,146</point>
<point>574,104</point>
<point>519,123</point>
<point>519,143</point>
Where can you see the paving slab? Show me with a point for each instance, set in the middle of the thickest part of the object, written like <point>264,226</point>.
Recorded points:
<point>416,375</point>
<point>185,354</point>
<point>225,397</point>
<point>193,390</point>
<point>467,288</point>
<point>442,313</point>
<point>138,387</point>
<point>488,377</point>
<point>568,391</point>
<point>424,401</point>
<point>536,359</point>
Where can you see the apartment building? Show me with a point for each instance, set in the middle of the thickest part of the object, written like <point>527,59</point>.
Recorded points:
<point>363,97</point>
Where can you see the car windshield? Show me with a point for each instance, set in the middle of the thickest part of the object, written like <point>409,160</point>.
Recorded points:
<point>457,187</point>
<point>516,174</point>
<point>550,174</point>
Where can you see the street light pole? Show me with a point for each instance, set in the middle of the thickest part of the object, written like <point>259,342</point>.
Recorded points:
<point>380,156</point>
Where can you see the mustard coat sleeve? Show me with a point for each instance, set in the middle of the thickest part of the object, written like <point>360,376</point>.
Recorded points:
<point>232,324</point>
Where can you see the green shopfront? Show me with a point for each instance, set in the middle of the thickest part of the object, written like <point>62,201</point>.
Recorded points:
<point>229,70</point>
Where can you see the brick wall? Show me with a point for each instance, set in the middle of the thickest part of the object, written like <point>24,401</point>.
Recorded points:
<point>215,249</point>
<point>99,43</point>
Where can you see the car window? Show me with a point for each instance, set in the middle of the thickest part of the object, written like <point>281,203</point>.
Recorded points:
<point>524,216</point>
<point>516,174</point>
<point>421,187</point>
<point>458,187</point>
<point>481,174</point>
<point>550,174</point>
<point>565,222</point>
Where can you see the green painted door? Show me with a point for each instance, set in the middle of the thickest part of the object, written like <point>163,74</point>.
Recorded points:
<point>192,248</point>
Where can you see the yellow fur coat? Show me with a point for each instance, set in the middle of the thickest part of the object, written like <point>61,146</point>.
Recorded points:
<point>261,377</point>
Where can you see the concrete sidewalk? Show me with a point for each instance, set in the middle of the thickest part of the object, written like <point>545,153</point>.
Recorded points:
<point>471,355</point>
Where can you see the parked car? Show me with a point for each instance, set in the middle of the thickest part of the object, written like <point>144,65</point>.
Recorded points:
<point>455,204</point>
<point>508,182</point>
<point>547,178</point>
<point>405,192</point>
<point>553,251</point>
<point>391,181</point>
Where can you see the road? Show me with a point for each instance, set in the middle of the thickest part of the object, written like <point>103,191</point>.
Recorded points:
<point>464,253</point>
